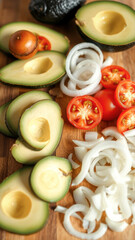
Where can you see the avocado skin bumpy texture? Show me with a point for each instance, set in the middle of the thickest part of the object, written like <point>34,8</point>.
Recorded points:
<point>54,11</point>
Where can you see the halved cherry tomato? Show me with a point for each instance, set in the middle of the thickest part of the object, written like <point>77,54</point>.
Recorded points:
<point>112,75</point>
<point>110,109</point>
<point>84,112</point>
<point>125,94</point>
<point>43,44</point>
<point>126,120</point>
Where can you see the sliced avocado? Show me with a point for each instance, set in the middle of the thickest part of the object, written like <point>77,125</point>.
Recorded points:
<point>44,69</point>
<point>50,178</point>
<point>3,127</point>
<point>109,24</point>
<point>37,122</point>
<point>19,104</point>
<point>58,41</point>
<point>46,10</point>
<point>20,210</point>
<point>23,153</point>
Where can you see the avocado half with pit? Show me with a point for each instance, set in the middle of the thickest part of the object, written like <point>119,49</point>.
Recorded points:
<point>58,41</point>
<point>51,178</point>
<point>20,210</point>
<point>108,24</point>
<point>43,69</point>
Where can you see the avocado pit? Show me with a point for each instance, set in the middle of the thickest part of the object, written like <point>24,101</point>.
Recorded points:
<point>109,22</point>
<point>38,66</point>
<point>16,204</point>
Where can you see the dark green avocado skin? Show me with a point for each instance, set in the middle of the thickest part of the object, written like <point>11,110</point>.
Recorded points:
<point>105,47</point>
<point>54,11</point>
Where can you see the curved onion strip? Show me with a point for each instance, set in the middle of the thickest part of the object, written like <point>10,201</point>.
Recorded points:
<point>112,131</point>
<point>107,62</point>
<point>74,164</point>
<point>68,226</point>
<point>71,85</point>
<point>80,152</point>
<point>89,144</point>
<point>116,226</point>
<point>89,54</point>
<point>90,89</point>
<point>89,136</point>
<point>61,209</point>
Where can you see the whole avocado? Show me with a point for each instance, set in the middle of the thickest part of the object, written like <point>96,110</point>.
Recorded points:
<point>54,11</point>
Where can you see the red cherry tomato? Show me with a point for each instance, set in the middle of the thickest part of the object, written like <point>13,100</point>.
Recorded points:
<point>126,120</point>
<point>110,110</point>
<point>112,75</point>
<point>125,94</point>
<point>43,44</point>
<point>84,112</point>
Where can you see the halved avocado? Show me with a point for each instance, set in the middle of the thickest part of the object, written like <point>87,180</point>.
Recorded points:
<point>22,152</point>
<point>20,210</point>
<point>58,41</point>
<point>3,127</point>
<point>44,69</point>
<point>19,104</point>
<point>50,178</point>
<point>109,24</point>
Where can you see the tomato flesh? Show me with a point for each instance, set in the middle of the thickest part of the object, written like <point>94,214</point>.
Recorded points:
<point>110,109</point>
<point>126,120</point>
<point>43,44</point>
<point>125,94</point>
<point>112,75</point>
<point>84,112</point>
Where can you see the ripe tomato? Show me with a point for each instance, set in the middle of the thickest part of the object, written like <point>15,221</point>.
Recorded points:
<point>112,75</point>
<point>126,120</point>
<point>43,44</point>
<point>110,109</point>
<point>125,94</point>
<point>84,112</point>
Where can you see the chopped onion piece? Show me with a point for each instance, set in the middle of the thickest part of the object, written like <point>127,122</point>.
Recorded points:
<point>107,62</point>
<point>89,136</point>
<point>74,164</point>
<point>80,152</point>
<point>116,226</point>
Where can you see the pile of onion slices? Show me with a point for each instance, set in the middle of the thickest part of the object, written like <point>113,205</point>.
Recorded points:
<point>83,68</point>
<point>108,163</point>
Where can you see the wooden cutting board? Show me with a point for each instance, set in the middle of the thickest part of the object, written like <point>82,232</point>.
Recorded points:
<point>17,10</point>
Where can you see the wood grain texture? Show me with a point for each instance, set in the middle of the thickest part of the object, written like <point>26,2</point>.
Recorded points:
<point>17,10</point>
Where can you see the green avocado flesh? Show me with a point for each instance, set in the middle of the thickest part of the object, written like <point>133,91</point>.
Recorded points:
<point>51,178</point>
<point>20,210</point>
<point>35,119</point>
<point>107,23</point>
<point>58,41</point>
<point>19,104</point>
<point>44,69</point>
<point>3,127</point>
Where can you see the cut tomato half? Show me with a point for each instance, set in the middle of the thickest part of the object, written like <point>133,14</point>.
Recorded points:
<point>43,44</point>
<point>112,75</point>
<point>84,112</point>
<point>126,120</point>
<point>125,94</point>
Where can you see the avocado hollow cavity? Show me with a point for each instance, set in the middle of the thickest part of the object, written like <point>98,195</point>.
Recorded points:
<point>109,22</point>
<point>16,204</point>
<point>38,66</point>
<point>39,130</point>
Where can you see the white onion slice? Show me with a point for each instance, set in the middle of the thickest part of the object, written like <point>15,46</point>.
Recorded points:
<point>74,164</point>
<point>107,62</point>
<point>68,226</point>
<point>80,152</point>
<point>89,136</point>
<point>116,226</point>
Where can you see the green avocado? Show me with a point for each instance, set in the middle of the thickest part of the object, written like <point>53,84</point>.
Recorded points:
<point>19,104</point>
<point>54,11</point>
<point>3,127</point>
<point>108,24</point>
<point>50,178</point>
<point>58,41</point>
<point>31,126</point>
<point>43,69</point>
<point>21,211</point>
